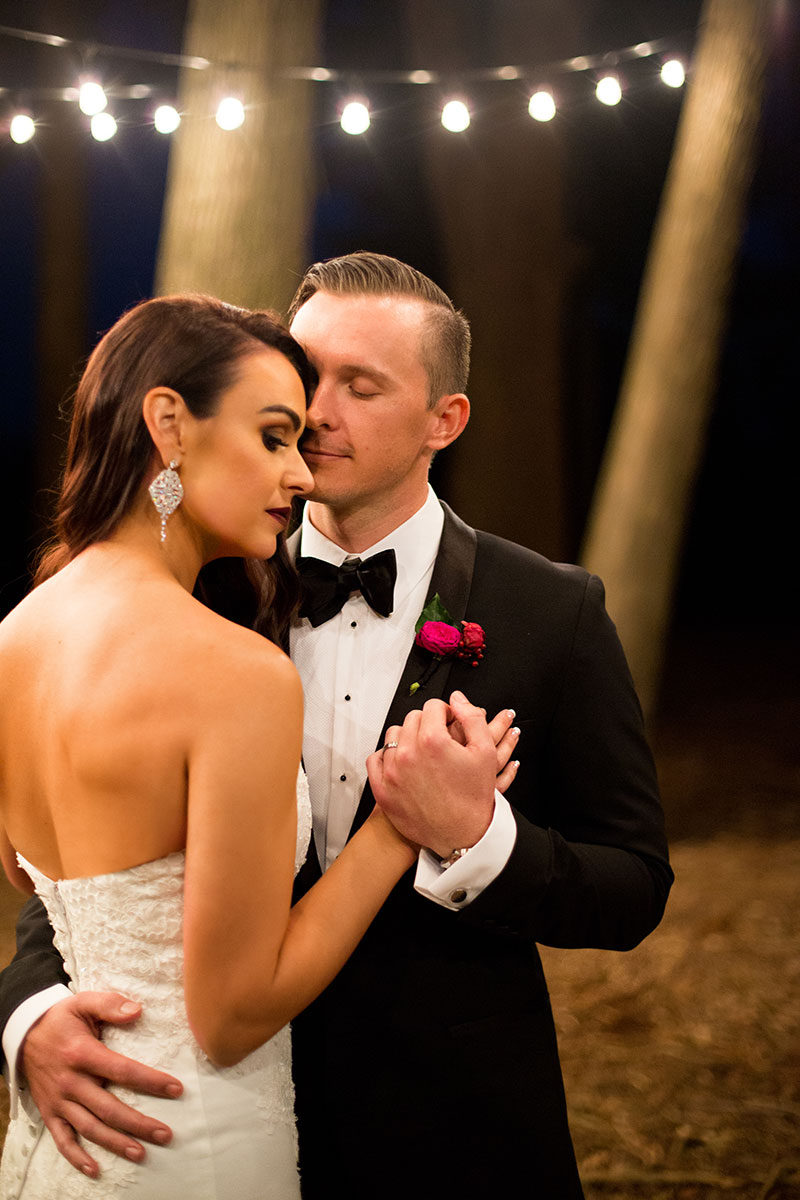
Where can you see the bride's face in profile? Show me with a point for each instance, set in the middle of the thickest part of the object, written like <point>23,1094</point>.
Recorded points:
<point>241,467</point>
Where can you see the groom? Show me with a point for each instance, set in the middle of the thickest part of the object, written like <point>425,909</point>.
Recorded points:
<point>429,1066</point>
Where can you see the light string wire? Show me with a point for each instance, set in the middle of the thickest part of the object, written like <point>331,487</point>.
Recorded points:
<point>584,62</point>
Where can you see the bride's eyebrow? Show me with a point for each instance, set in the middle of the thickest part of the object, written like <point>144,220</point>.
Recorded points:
<point>287,412</point>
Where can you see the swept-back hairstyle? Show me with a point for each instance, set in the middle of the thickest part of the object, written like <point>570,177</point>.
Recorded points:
<point>192,344</point>
<point>446,338</point>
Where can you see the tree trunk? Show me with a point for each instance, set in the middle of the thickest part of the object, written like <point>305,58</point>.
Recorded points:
<point>498,193</point>
<point>237,203</point>
<point>640,507</point>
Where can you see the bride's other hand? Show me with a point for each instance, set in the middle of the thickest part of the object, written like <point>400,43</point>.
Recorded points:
<point>436,791</point>
<point>505,736</point>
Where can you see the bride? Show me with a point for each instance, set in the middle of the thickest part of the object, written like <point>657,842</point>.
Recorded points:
<point>149,751</point>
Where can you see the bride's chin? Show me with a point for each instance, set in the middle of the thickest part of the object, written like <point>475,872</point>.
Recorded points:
<point>260,547</point>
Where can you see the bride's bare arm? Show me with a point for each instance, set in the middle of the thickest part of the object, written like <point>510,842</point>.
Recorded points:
<point>252,962</point>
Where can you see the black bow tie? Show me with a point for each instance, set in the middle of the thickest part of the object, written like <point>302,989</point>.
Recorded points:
<point>326,587</point>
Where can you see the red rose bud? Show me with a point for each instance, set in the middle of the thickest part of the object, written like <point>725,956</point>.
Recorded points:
<point>438,637</point>
<point>472,636</point>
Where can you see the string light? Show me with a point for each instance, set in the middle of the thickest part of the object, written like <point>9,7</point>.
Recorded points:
<point>542,106</point>
<point>103,126</point>
<point>355,117</point>
<point>455,116</point>
<point>608,90</point>
<point>166,118</point>
<point>673,73</point>
<point>21,128</point>
<point>91,98</point>
<point>230,113</point>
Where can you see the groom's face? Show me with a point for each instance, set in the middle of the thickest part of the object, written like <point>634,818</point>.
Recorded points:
<point>369,427</point>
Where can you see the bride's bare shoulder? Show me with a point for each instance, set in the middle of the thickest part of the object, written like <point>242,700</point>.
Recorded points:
<point>144,635</point>
<point>223,651</point>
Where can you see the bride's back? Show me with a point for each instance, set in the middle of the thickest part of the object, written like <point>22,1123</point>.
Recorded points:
<point>105,673</point>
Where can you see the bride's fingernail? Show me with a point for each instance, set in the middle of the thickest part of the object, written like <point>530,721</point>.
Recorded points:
<point>134,1153</point>
<point>161,1136</point>
<point>173,1090</point>
<point>515,732</point>
<point>511,714</point>
<point>129,1007</point>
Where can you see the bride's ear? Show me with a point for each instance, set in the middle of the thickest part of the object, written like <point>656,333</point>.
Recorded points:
<point>165,416</point>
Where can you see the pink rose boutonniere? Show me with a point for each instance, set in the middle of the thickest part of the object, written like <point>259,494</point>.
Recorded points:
<point>437,633</point>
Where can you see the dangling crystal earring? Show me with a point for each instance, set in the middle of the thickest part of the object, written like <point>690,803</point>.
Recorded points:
<point>166,492</point>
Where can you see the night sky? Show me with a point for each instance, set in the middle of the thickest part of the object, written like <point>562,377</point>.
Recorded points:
<point>372,195</point>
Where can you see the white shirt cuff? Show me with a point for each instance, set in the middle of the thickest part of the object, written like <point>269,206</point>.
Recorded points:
<point>17,1028</point>
<point>455,887</point>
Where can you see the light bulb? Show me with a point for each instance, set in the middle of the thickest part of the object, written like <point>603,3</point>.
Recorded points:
<point>355,117</point>
<point>166,118</point>
<point>103,126</point>
<point>230,113</point>
<point>91,98</point>
<point>455,116</point>
<point>673,73</point>
<point>608,90</point>
<point>542,106</point>
<point>22,128</point>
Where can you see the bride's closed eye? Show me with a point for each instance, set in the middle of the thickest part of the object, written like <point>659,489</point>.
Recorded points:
<point>272,440</point>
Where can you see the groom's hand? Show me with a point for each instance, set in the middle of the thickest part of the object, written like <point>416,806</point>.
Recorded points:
<point>66,1066</point>
<point>436,791</point>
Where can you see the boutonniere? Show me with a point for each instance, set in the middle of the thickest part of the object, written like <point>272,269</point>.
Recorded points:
<point>436,632</point>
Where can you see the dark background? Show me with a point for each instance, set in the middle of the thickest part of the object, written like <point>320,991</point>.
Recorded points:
<point>373,195</point>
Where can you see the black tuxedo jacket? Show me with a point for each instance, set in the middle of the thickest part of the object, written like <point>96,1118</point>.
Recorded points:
<point>430,1063</point>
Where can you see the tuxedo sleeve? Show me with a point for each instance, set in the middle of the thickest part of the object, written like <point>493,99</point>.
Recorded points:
<point>37,965</point>
<point>589,866</point>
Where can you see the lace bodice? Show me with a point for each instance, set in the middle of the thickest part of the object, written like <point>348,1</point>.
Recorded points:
<point>123,932</point>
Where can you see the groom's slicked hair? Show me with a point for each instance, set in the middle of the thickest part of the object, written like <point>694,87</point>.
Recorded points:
<point>446,339</point>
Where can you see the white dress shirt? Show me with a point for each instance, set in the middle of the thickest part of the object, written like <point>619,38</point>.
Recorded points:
<point>350,667</point>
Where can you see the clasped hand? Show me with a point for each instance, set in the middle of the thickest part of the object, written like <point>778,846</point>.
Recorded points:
<point>437,784</point>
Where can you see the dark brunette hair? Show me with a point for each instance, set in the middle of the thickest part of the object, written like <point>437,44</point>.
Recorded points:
<point>446,339</point>
<point>192,344</point>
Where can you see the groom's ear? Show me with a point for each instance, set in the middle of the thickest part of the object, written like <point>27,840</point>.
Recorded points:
<point>450,418</point>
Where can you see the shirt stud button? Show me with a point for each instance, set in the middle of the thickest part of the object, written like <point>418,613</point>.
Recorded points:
<point>347,697</point>
<point>343,778</point>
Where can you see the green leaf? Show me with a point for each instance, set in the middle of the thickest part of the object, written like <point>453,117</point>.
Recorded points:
<point>433,611</point>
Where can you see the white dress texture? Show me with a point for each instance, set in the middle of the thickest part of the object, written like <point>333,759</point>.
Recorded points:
<point>234,1134</point>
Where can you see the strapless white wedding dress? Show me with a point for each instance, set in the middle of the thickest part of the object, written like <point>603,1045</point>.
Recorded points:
<point>234,1128</point>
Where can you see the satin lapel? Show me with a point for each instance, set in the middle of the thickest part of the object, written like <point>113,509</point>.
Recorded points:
<point>452,579</point>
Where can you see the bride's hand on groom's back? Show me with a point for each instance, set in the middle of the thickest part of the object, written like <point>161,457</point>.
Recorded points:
<point>437,786</point>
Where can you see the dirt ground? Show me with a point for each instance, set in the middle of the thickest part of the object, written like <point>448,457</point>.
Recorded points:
<point>682,1058</point>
